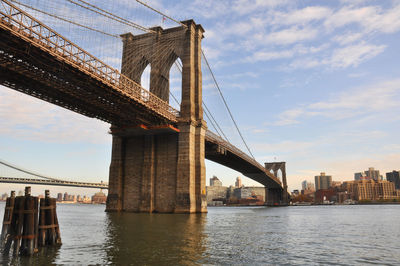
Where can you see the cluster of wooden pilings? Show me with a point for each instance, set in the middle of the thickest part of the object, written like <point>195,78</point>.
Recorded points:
<point>23,230</point>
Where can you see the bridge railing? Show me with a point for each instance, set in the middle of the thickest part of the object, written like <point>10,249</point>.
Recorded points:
<point>30,29</point>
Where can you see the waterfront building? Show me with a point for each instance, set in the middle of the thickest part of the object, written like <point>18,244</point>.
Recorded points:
<point>394,177</point>
<point>323,181</point>
<point>214,181</point>
<point>99,198</point>
<point>247,192</point>
<point>325,196</point>
<point>238,182</point>
<point>371,190</point>
<point>215,192</point>
<point>336,184</point>
<point>66,197</point>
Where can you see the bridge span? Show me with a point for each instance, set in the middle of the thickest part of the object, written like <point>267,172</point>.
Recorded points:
<point>159,165</point>
<point>37,181</point>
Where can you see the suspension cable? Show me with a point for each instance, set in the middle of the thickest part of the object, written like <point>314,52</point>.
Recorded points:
<point>64,19</point>
<point>226,105</point>
<point>215,123</point>
<point>110,15</point>
<point>26,172</point>
<point>162,14</point>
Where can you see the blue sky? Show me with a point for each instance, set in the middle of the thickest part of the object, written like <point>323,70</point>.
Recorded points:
<point>312,83</point>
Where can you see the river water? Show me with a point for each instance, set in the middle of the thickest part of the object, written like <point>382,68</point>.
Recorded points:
<point>309,235</point>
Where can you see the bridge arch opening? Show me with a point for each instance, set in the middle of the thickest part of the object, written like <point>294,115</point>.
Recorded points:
<point>175,83</point>
<point>145,77</point>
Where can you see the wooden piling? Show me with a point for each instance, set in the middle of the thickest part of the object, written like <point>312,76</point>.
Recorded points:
<point>23,229</point>
<point>30,217</point>
<point>49,232</point>
<point>7,220</point>
<point>18,216</point>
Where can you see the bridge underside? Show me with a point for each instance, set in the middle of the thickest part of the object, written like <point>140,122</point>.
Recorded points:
<point>222,156</point>
<point>33,71</point>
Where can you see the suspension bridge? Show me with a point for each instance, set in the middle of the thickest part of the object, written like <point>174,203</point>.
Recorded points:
<point>158,150</point>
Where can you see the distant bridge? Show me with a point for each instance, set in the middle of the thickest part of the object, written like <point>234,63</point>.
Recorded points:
<point>16,180</point>
<point>45,180</point>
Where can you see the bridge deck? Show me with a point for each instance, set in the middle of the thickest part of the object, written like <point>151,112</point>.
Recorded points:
<point>38,61</point>
<point>222,152</point>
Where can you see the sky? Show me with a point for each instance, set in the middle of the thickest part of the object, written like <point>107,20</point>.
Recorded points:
<point>313,83</point>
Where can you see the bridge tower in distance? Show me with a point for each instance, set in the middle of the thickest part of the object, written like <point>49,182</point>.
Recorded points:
<point>277,196</point>
<point>157,167</point>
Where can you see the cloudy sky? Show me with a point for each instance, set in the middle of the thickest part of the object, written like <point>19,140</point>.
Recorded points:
<point>312,83</point>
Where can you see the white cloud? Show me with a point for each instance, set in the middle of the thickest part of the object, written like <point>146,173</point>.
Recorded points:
<point>301,16</point>
<point>290,35</point>
<point>26,117</point>
<point>343,57</point>
<point>354,55</point>
<point>370,18</point>
<point>247,6</point>
<point>356,102</point>
<point>348,38</point>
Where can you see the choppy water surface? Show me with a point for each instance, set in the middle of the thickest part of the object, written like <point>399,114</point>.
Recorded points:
<point>345,235</point>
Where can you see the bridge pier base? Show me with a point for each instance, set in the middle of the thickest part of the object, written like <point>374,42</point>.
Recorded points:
<point>162,172</point>
<point>275,197</point>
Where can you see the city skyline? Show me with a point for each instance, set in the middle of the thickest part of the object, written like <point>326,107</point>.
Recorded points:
<point>317,76</point>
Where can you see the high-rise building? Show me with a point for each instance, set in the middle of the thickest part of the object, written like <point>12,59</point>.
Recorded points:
<point>394,177</point>
<point>215,182</point>
<point>66,196</point>
<point>323,181</point>
<point>369,174</point>
<point>59,197</point>
<point>372,174</point>
<point>360,176</point>
<point>307,186</point>
<point>304,185</point>
<point>238,182</point>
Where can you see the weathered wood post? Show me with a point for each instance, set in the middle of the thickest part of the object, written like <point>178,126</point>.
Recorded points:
<point>8,214</point>
<point>18,222</point>
<point>30,217</point>
<point>49,232</point>
<point>23,229</point>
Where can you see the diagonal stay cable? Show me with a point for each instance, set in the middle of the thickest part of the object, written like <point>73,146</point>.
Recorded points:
<point>162,14</point>
<point>208,113</point>
<point>64,19</point>
<point>26,171</point>
<point>109,15</point>
<point>226,105</point>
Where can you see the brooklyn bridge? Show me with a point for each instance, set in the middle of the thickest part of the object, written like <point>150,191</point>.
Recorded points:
<point>158,152</point>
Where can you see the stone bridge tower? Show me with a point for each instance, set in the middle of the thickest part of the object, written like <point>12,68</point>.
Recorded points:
<point>277,196</point>
<point>162,170</point>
